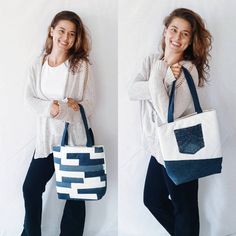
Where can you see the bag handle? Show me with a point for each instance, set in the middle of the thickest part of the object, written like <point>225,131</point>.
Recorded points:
<point>88,131</point>
<point>193,91</point>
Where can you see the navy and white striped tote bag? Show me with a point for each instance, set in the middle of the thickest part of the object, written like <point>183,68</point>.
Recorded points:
<point>190,145</point>
<point>80,170</point>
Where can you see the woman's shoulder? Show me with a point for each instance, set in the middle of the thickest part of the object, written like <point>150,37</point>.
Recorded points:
<point>189,66</point>
<point>82,67</point>
<point>36,62</point>
<point>84,64</point>
<point>82,70</point>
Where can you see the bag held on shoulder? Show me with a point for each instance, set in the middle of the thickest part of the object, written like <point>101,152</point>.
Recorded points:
<point>80,170</point>
<point>190,145</point>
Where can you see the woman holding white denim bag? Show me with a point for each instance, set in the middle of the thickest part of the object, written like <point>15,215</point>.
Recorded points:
<point>185,42</point>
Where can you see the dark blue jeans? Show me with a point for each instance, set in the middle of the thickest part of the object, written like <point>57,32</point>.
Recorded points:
<point>175,207</point>
<point>39,173</point>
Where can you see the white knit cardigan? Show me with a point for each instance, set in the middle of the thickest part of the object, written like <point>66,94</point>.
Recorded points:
<point>80,87</point>
<point>152,87</point>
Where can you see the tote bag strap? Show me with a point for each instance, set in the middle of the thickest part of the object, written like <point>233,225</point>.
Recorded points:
<point>88,131</point>
<point>193,91</point>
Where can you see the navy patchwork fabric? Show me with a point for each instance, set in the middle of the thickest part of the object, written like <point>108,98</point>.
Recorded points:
<point>98,149</point>
<point>80,170</point>
<point>84,159</point>
<point>80,176</point>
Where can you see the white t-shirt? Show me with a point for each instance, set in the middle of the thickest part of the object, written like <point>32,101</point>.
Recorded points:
<point>53,80</point>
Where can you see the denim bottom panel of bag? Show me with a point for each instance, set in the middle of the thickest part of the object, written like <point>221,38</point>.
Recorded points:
<point>190,140</point>
<point>188,170</point>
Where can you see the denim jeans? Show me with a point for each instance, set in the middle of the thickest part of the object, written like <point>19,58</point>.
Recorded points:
<point>39,173</point>
<point>174,206</point>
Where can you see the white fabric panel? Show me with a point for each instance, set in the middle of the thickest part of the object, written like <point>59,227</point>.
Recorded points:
<point>24,26</point>
<point>140,28</point>
<point>212,145</point>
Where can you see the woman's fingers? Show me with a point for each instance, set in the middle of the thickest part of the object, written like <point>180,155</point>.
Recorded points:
<point>54,109</point>
<point>176,70</point>
<point>72,104</point>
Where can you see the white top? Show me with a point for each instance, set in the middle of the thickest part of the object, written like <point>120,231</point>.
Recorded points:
<point>53,80</point>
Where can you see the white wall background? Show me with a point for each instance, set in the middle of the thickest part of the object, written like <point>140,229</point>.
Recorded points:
<point>140,29</point>
<point>23,27</point>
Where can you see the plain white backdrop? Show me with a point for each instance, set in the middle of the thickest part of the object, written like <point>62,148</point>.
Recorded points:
<point>140,29</point>
<point>23,27</point>
<point>23,31</point>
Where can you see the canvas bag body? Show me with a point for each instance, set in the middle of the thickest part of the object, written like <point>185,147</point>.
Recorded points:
<point>80,170</point>
<point>190,145</point>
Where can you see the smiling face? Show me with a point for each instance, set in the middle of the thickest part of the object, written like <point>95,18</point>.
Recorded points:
<point>63,35</point>
<point>178,35</point>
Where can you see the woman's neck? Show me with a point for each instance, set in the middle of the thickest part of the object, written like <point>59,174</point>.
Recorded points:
<point>172,58</point>
<point>56,58</point>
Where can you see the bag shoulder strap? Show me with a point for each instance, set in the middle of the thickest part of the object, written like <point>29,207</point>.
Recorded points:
<point>88,131</point>
<point>193,91</point>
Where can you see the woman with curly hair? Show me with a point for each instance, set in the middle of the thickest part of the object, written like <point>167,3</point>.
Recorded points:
<point>59,81</point>
<point>185,42</point>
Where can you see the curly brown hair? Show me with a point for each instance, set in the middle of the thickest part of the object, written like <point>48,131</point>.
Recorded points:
<point>81,48</point>
<point>198,51</point>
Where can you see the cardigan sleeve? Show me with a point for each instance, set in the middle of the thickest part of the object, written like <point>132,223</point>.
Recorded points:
<point>88,100</point>
<point>139,88</point>
<point>68,114</point>
<point>41,107</point>
<point>160,96</point>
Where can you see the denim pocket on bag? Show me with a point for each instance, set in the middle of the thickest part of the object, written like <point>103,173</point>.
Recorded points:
<point>190,139</point>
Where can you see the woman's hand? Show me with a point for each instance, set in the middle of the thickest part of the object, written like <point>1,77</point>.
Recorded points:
<point>54,108</point>
<point>73,104</point>
<point>176,70</point>
<point>172,58</point>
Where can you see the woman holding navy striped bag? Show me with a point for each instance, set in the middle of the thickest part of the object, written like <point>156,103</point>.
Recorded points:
<point>58,82</point>
<point>185,42</point>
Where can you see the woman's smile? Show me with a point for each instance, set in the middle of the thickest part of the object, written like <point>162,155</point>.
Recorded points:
<point>175,44</point>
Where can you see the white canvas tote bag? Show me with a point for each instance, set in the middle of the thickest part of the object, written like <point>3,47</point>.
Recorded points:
<point>190,145</point>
